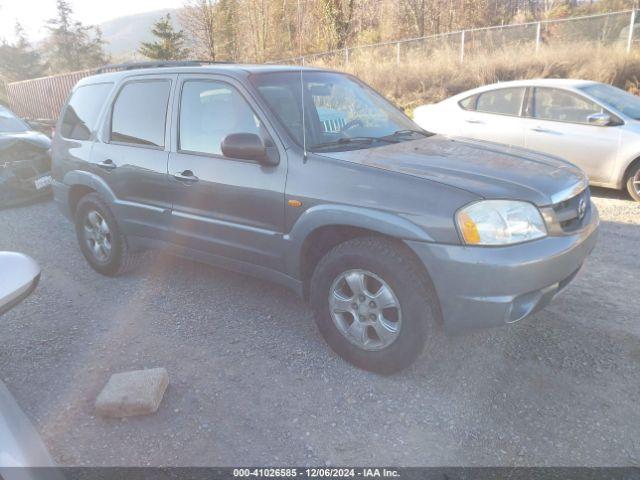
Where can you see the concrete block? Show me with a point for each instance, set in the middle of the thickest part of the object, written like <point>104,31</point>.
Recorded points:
<point>132,393</point>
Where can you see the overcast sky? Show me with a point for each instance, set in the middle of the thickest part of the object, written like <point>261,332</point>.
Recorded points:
<point>32,14</point>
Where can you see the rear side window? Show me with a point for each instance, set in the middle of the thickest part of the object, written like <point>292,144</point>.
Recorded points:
<point>468,103</point>
<point>81,114</point>
<point>503,101</point>
<point>140,113</point>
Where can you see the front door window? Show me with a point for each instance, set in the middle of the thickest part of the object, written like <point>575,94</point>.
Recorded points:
<point>562,106</point>
<point>209,111</point>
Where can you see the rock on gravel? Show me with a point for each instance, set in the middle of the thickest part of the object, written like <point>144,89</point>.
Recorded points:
<point>132,393</point>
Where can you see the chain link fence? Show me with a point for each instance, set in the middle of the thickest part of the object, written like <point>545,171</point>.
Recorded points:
<point>615,30</point>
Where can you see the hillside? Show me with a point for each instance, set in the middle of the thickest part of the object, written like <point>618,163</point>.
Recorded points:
<point>124,34</point>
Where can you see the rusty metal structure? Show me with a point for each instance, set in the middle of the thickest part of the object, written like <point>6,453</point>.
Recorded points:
<point>42,98</point>
<point>39,100</point>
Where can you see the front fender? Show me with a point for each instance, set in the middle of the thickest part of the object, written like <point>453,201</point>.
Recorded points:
<point>319,216</point>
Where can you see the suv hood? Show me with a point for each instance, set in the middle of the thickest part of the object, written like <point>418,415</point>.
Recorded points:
<point>486,169</point>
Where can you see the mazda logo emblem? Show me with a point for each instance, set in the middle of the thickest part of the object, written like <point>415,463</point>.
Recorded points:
<point>582,208</point>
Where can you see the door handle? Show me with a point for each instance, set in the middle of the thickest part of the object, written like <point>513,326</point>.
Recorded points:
<point>478,122</point>
<point>541,130</point>
<point>186,175</point>
<point>107,164</point>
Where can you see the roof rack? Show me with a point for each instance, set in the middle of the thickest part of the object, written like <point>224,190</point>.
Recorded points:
<point>156,64</point>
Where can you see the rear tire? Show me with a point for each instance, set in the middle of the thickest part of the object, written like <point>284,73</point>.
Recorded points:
<point>350,324</point>
<point>633,182</point>
<point>101,240</point>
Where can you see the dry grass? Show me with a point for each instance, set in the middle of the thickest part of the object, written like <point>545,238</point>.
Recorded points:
<point>426,80</point>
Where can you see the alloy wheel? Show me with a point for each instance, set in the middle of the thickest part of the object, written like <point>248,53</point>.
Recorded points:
<point>97,236</point>
<point>365,310</point>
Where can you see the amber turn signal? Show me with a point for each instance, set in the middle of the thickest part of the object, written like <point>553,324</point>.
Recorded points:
<point>469,229</point>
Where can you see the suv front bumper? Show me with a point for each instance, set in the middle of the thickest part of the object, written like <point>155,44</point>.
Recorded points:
<point>489,286</point>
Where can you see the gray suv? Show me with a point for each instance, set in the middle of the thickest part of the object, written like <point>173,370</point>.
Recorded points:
<point>311,179</point>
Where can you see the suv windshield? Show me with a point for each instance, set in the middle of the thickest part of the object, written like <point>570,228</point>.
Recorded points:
<point>9,123</point>
<point>615,98</point>
<point>341,113</point>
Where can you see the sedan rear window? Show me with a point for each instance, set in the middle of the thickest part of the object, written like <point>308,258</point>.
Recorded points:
<point>503,101</point>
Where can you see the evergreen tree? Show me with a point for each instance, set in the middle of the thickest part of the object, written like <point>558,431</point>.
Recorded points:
<point>169,44</point>
<point>19,61</point>
<point>70,45</point>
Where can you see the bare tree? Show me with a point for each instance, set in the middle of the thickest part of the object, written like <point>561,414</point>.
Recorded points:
<point>263,30</point>
<point>198,18</point>
<point>337,16</point>
<point>417,12</point>
<point>228,22</point>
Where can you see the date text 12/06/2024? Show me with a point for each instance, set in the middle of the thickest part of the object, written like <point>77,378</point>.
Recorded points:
<point>316,472</point>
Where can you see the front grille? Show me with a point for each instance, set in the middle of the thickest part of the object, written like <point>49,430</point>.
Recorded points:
<point>567,212</point>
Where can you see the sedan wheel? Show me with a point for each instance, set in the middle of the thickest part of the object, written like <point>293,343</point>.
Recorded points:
<point>633,182</point>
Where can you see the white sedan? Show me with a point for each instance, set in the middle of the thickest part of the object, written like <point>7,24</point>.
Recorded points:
<point>593,125</point>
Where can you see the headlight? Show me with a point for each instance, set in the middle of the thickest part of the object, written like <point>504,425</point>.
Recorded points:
<point>500,222</point>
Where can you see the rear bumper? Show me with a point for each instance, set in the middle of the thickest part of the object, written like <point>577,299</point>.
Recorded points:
<point>489,286</point>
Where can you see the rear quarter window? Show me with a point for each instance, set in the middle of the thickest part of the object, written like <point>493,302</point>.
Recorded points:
<point>80,116</point>
<point>468,103</point>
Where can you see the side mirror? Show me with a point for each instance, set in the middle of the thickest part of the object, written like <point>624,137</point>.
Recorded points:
<point>599,119</point>
<point>20,276</point>
<point>249,146</point>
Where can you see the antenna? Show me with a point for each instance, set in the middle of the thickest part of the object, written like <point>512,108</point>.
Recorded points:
<point>304,127</point>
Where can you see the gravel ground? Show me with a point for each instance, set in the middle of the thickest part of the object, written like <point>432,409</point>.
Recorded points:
<point>252,383</point>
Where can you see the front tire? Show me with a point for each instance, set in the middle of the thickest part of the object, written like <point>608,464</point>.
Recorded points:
<point>633,182</point>
<point>101,241</point>
<point>373,305</point>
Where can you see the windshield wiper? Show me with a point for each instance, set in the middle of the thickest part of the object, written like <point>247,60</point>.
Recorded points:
<point>409,131</point>
<point>353,140</point>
